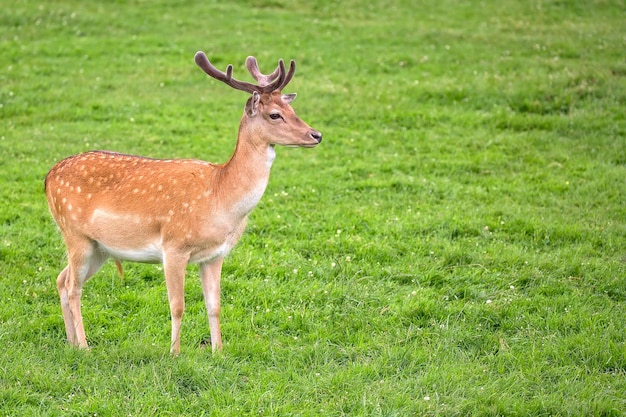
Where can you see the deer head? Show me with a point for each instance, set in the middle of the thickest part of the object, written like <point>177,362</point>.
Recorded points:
<point>268,112</point>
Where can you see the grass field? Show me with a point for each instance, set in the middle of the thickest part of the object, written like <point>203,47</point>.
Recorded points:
<point>455,247</point>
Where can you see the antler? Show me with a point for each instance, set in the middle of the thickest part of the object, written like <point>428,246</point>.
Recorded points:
<point>266,83</point>
<point>263,79</point>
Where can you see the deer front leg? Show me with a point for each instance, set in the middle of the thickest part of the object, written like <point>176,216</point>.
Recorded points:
<point>174,267</point>
<point>210,274</point>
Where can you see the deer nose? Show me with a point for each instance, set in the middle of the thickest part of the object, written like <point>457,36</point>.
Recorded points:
<point>316,135</point>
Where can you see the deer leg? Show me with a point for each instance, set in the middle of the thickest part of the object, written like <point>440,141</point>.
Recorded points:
<point>70,331</point>
<point>210,274</point>
<point>174,267</point>
<point>74,292</point>
<point>83,264</point>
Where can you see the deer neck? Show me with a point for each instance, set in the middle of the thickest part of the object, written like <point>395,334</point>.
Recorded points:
<point>246,174</point>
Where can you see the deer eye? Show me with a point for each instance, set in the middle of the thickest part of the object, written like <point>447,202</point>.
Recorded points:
<point>275,116</point>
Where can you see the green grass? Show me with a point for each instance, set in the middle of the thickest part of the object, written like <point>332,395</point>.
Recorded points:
<point>456,246</point>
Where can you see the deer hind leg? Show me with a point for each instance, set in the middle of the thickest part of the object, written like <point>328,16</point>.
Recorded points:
<point>83,264</point>
<point>210,274</point>
<point>70,330</point>
<point>174,267</point>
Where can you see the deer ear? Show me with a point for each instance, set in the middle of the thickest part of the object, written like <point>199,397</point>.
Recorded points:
<point>252,105</point>
<point>288,98</point>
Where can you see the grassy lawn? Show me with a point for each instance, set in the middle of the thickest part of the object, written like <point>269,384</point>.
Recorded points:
<point>456,246</point>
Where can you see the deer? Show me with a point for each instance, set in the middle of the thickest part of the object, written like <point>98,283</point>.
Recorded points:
<point>171,211</point>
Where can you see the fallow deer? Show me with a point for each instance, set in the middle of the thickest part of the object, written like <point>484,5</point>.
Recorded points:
<point>171,211</point>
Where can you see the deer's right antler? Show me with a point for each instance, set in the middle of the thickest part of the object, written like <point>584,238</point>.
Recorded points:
<point>263,79</point>
<point>277,80</point>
